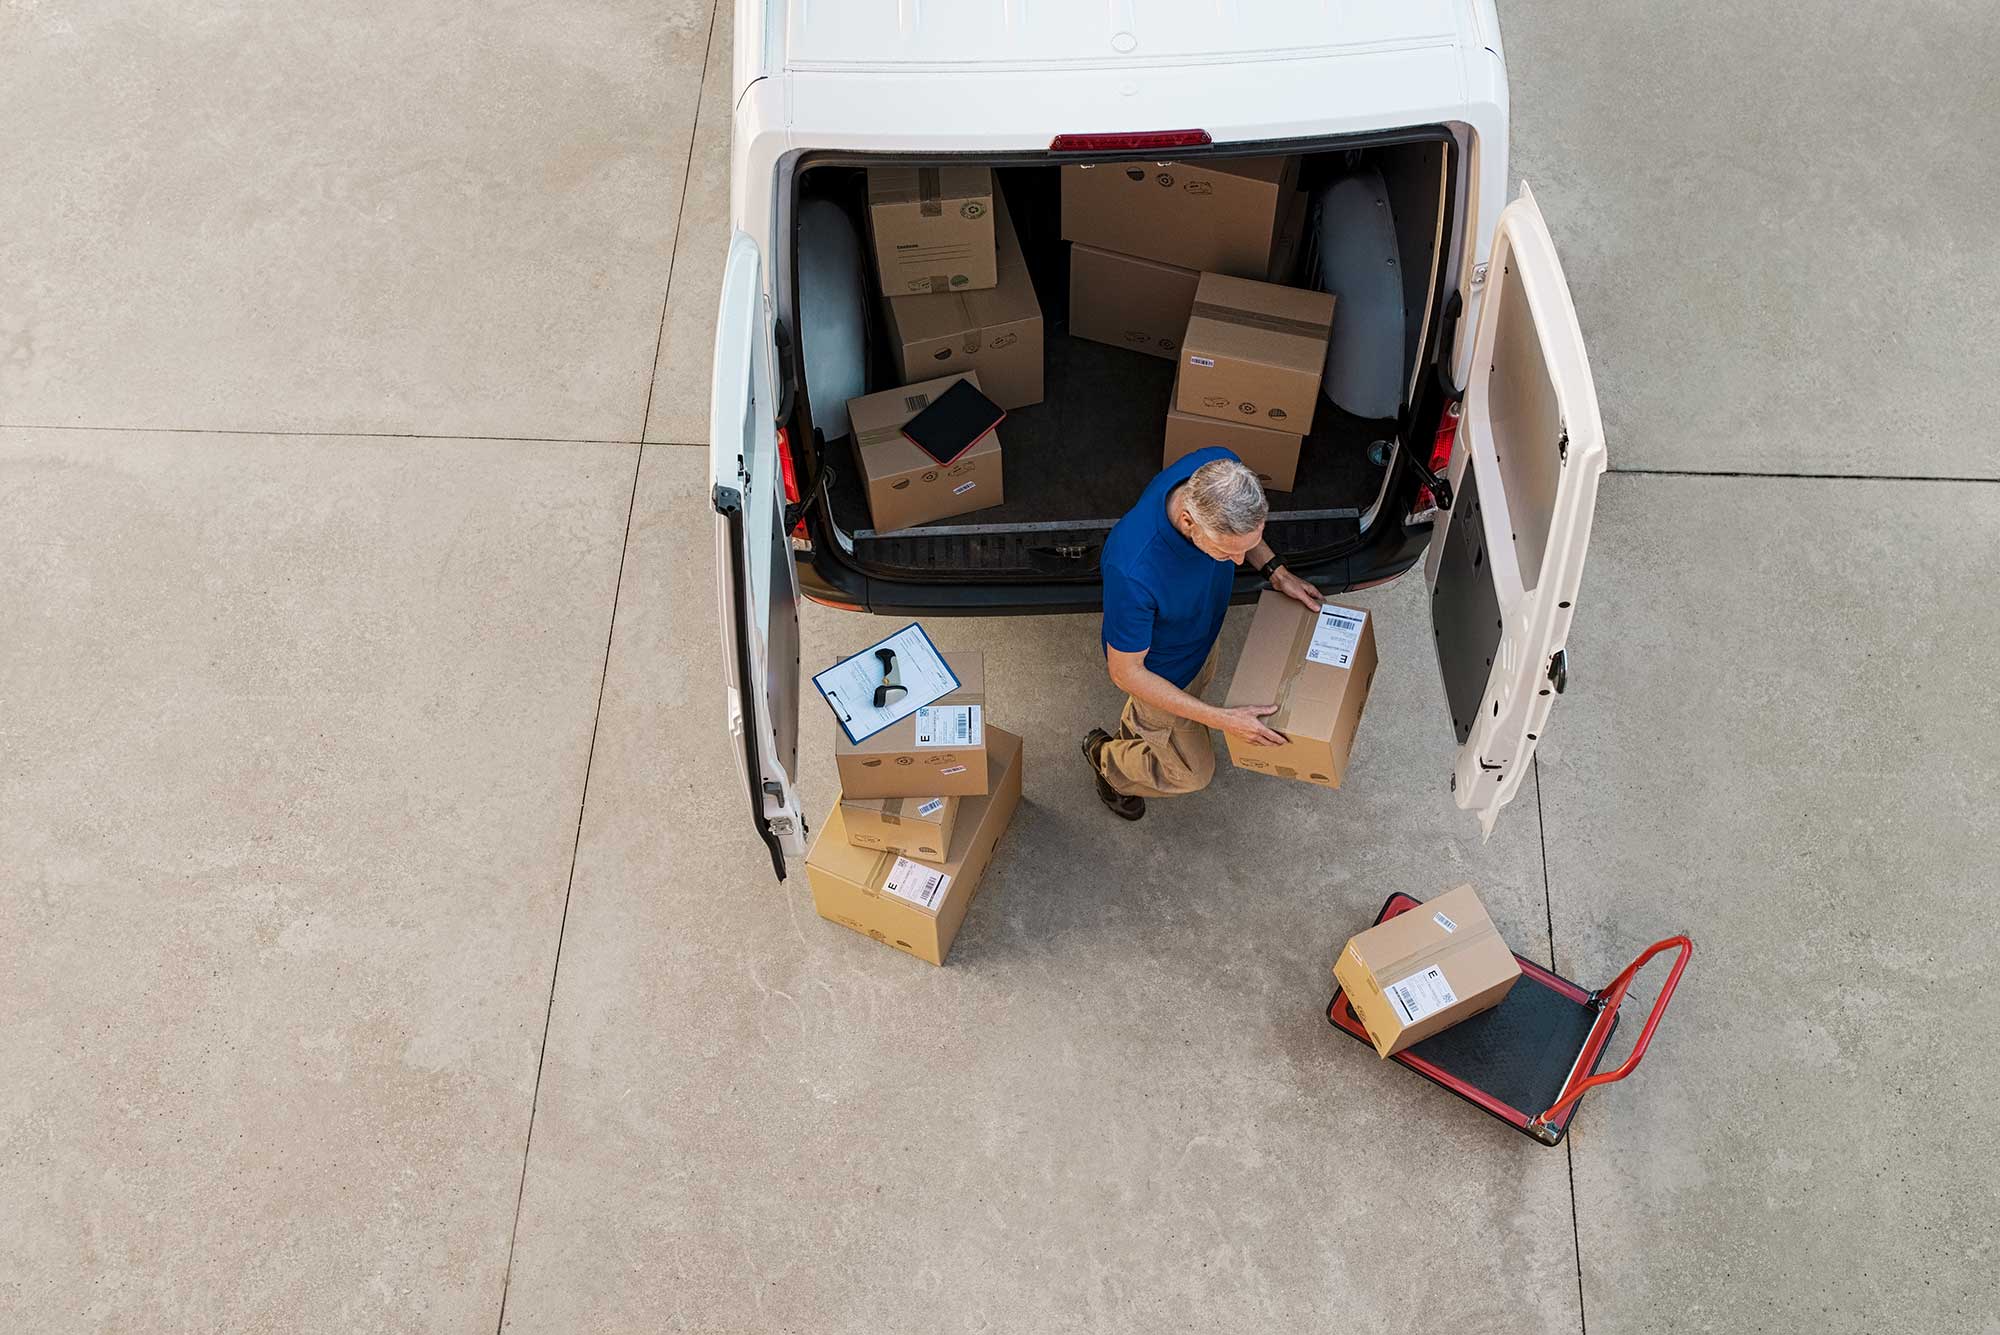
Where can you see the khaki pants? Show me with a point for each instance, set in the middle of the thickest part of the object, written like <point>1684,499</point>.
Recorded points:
<point>1157,754</point>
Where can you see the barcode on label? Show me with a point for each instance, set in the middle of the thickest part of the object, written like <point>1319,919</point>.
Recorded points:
<point>955,769</point>
<point>1444,922</point>
<point>949,725</point>
<point>961,489</point>
<point>932,807</point>
<point>1421,994</point>
<point>1201,361</point>
<point>913,881</point>
<point>916,403</point>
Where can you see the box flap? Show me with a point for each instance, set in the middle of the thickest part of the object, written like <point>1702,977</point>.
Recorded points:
<point>910,185</point>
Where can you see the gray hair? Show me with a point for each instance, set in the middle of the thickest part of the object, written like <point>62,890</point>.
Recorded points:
<point>1225,497</point>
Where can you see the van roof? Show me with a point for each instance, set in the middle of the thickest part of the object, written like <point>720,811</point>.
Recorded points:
<point>968,35</point>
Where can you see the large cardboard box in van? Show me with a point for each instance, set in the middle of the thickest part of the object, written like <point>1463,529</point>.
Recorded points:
<point>996,331</point>
<point>918,826</point>
<point>1317,670</point>
<point>1254,351</point>
<point>917,906</point>
<point>1272,455</point>
<point>932,228</point>
<point>1129,302</point>
<point>1217,215</point>
<point>1425,970</point>
<point>905,485</point>
<point>939,751</point>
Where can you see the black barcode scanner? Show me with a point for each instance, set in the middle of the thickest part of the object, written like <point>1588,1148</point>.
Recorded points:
<point>892,680</point>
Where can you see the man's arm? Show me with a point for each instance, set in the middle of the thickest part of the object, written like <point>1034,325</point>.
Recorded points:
<point>1130,674</point>
<point>1283,580</point>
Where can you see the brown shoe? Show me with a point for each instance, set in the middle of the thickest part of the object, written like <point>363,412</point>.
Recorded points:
<point>1130,808</point>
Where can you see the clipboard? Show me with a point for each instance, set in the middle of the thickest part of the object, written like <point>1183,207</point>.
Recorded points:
<point>851,687</point>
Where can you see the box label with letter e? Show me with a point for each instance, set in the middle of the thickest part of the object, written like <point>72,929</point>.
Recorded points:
<point>1425,970</point>
<point>1317,670</point>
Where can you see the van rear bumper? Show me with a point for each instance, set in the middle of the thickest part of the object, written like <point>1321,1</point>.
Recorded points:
<point>826,578</point>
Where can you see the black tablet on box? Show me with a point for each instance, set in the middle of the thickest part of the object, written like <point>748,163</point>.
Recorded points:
<point>954,422</point>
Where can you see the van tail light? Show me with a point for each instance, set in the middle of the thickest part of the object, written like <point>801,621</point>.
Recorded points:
<point>1143,141</point>
<point>1441,447</point>
<point>789,472</point>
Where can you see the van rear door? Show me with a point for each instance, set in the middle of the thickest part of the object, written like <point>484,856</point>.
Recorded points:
<point>1506,559</point>
<point>756,580</point>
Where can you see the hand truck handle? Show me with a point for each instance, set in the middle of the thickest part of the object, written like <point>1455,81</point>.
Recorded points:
<point>1612,998</point>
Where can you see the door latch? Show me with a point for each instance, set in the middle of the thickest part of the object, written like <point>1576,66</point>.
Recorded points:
<point>1559,670</point>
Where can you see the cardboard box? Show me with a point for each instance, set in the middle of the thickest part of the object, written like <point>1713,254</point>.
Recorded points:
<point>907,486</point>
<point>1273,455</point>
<point>932,228</point>
<point>1216,215</point>
<point>918,826</point>
<point>1317,670</point>
<point>1129,302</point>
<point>996,332</point>
<point>914,906</point>
<point>1289,249</point>
<point>1254,351</point>
<point>1425,970</point>
<point>939,751</point>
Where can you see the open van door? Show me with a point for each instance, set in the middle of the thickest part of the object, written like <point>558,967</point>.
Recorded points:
<point>1506,558</point>
<point>754,575</point>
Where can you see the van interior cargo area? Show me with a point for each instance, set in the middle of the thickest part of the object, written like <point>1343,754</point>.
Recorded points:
<point>1077,460</point>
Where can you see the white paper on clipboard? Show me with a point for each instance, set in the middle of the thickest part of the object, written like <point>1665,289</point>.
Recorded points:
<point>848,687</point>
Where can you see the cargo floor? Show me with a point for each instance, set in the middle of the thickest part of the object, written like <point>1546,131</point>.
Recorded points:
<point>1089,448</point>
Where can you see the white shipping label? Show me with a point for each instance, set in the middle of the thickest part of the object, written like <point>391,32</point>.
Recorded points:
<point>1201,361</point>
<point>950,725</point>
<point>1437,918</point>
<point>1421,994</point>
<point>962,488</point>
<point>1335,637</point>
<point>920,885</point>
<point>955,769</point>
<point>936,804</point>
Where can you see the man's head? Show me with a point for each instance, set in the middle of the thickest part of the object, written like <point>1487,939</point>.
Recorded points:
<point>1221,509</point>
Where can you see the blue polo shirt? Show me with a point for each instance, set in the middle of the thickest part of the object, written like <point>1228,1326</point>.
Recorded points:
<point>1162,593</point>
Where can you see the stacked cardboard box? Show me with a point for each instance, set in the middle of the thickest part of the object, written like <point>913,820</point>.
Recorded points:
<point>996,331</point>
<point>1147,240</point>
<point>932,228</point>
<point>922,804</point>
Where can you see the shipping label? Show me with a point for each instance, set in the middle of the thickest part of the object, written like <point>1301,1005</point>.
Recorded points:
<point>932,807</point>
<point>1423,993</point>
<point>1336,636</point>
<point>916,883</point>
<point>945,726</point>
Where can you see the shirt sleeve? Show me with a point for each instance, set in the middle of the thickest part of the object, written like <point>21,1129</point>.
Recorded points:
<point>1128,613</point>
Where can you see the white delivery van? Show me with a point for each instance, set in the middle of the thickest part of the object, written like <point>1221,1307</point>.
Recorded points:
<point>1487,469</point>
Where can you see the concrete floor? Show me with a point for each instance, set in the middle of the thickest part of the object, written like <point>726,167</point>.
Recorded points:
<point>380,948</point>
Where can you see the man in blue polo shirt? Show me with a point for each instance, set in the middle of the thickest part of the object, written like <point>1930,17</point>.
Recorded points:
<point>1168,568</point>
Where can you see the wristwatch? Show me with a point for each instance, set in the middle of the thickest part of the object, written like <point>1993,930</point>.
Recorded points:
<point>1270,565</point>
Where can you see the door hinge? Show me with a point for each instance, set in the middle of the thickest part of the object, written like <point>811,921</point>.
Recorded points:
<point>1478,275</point>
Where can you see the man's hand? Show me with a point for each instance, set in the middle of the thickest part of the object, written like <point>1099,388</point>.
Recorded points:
<point>1246,722</point>
<point>1285,582</point>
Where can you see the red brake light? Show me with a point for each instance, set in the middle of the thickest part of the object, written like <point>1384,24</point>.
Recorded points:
<point>790,474</point>
<point>1441,447</point>
<point>1139,141</point>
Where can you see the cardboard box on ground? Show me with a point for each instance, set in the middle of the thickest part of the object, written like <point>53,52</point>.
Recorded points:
<point>1222,215</point>
<point>996,332</point>
<point>1254,352</point>
<point>918,826</point>
<point>1426,970</point>
<point>1272,455</point>
<point>1317,670</point>
<point>932,228</point>
<point>907,486</point>
<point>914,906</point>
<point>939,751</point>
